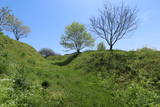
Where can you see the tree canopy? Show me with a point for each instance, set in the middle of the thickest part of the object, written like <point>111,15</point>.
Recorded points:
<point>4,14</point>
<point>46,52</point>
<point>76,37</point>
<point>17,28</point>
<point>101,46</point>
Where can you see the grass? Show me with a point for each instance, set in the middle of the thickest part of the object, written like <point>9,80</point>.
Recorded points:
<point>90,79</point>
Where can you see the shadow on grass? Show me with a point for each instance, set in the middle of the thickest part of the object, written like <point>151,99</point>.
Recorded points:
<point>68,60</point>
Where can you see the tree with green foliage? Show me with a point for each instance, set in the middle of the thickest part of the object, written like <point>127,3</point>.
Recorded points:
<point>76,37</point>
<point>101,46</point>
<point>17,28</point>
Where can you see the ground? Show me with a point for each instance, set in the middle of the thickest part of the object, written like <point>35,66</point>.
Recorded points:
<point>89,79</point>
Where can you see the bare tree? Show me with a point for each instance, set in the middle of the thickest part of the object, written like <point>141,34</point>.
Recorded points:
<point>114,23</point>
<point>17,28</point>
<point>4,14</point>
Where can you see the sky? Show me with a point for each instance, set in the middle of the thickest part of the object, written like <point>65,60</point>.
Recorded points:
<point>47,20</point>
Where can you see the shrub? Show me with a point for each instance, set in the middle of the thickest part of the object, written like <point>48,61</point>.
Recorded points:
<point>2,68</point>
<point>101,46</point>
<point>31,61</point>
<point>137,96</point>
<point>45,84</point>
<point>46,52</point>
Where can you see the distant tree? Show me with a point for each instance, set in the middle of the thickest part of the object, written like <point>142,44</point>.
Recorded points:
<point>114,23</point>
<point>17,28</point>
<point>101,46</point>
<point>76,37</point>
<point>46,52</point>
<point>4,14</point>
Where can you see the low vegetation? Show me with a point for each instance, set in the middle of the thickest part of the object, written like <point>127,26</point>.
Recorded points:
<point>46,52</point>
<point>101,46</point>
<point>97,78</point>
<point>89,79</point>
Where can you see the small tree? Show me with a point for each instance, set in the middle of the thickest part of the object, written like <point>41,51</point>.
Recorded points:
<point>101,46</point>
<point>46,52</point>
<point>114,23</point>
<point>17,28</point>
<point>76,37</point>
<point>4,14</point>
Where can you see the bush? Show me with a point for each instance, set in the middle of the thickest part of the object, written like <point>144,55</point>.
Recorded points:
<point>2,68</point>
<point>46,52</point>
<point>101,46</point>
<point>137,96</point>
<point>45,84</point>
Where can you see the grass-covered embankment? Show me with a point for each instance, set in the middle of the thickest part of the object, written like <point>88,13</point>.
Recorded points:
<point>90,79</point>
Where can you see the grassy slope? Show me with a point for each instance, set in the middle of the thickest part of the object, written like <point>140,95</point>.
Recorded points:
<point>133,80</point>
<point>67,86</point>
<point>127,79</point>
<point>19,52</point>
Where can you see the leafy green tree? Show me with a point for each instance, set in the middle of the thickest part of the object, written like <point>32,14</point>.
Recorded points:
<point>76,37</point>
<point>101,46</point>
<point>17,28</point>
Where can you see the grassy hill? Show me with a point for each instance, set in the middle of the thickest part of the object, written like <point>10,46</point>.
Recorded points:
<point>18,52</point>
<point>123,78</point>
<point>89,79</point>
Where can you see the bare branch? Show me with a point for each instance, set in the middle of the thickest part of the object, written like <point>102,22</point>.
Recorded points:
<point>114,23</point>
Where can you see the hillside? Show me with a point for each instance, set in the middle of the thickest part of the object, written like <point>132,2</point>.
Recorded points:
<point>18,52</point>
<point>123,78</point>
<point>89,79</point>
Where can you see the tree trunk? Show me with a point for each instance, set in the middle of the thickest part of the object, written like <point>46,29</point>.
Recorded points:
<point>17,39</point>
<point>111,47</point>
<point>78,51</point>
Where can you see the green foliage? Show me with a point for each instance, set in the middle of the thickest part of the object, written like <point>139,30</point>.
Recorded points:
<point>136,95</point>
<point>2,68</point>
<point>16,52</point>
<point>123,78</point>
<point>45,84</point>
<point>68,60</point>
<point>89,79</point>
<point>101,46</point>
<point>76,37</point>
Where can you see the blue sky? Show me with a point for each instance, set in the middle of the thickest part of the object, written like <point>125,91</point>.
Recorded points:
<point>48,18</point>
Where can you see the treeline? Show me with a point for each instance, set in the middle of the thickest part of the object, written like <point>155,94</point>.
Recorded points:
<point>113,23</point>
